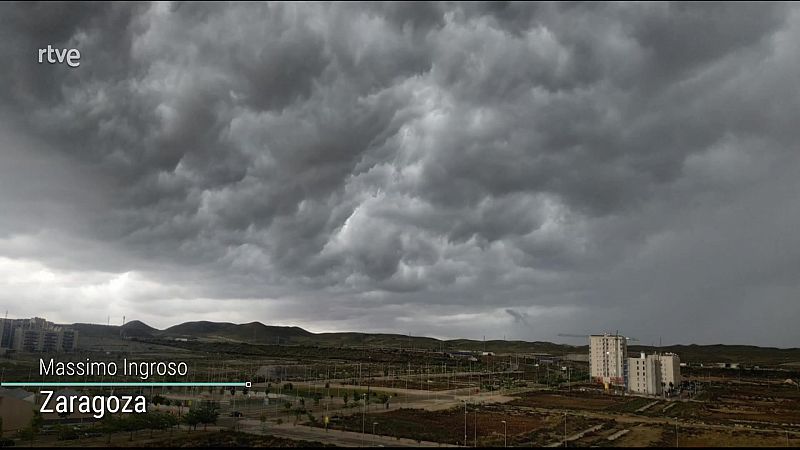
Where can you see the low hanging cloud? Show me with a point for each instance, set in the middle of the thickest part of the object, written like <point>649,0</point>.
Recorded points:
<point>456,170</point>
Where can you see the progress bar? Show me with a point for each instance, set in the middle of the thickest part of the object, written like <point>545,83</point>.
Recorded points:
<point>243,384</point>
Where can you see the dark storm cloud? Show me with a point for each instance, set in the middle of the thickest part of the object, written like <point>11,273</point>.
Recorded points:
<point>537,168</point>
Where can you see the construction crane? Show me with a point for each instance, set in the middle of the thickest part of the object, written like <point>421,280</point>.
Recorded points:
<point>586,336</point>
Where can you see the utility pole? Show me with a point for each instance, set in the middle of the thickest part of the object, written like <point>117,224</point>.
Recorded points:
<point>565,428</point>
<point>505,433</point>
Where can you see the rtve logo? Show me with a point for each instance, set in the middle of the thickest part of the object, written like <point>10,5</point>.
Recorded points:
<point>71,56</point>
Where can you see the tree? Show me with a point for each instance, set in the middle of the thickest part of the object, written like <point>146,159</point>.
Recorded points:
<point>297,413</point>
<point>65,433</point>
<point>30,432</point>
<point>192,418</point>
<point>208,414</point>
<point>385,400</point>
<point>157,421</point>
<point>345,398</point>
<point>36,421</point>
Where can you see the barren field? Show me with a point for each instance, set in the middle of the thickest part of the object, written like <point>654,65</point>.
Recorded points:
<point>584,401</point>
<point>716,438</point>
<point>640,436</point>
<point>446,426</point>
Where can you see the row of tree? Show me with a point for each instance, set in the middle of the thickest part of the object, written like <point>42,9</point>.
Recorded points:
<point>204,414</point>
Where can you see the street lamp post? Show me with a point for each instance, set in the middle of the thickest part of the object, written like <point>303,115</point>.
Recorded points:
<point>374,436</point>
<point>676,432</point>
<point>565,428</point>
<point>505,433</point>
<point>363,421</point>
<point>465,423</point>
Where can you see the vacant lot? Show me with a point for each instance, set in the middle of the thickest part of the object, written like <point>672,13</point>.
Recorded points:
<point>717,438</point>
<point>447,426</point>
<point>231,439</point>
<point>581,400</point>
<point>767,403</point>
<point>638,436</point>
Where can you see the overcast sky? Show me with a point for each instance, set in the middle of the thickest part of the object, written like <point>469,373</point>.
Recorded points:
<point>455,170</point>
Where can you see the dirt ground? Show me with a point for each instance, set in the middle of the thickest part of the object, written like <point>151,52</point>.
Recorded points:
<point>639,436</point>
<point>585,401</point>
<point>716,438</point>
<point>448,426</point>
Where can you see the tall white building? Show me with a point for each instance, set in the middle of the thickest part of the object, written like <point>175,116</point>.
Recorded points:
<point>644,375</point>
<point>608,359</point>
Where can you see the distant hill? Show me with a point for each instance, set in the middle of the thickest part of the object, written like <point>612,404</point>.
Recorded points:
<point>745,354</point>
<point>96,330</point>
<point>258,333</point>
<point>135,328</point>
<point>253,332</point>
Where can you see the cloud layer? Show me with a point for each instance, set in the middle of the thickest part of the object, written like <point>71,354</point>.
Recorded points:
<point>455,170</point>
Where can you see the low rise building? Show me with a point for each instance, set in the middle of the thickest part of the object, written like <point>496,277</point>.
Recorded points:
<point>670,370</point>
<point>644,375</point>
<point>654,374</point>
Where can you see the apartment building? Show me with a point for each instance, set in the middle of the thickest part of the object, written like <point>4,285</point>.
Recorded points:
<point>608,359</point>
<point>644,375</point>
<point>36,335</point>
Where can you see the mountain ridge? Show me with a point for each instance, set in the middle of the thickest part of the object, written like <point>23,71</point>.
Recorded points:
<point>261,334</point>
